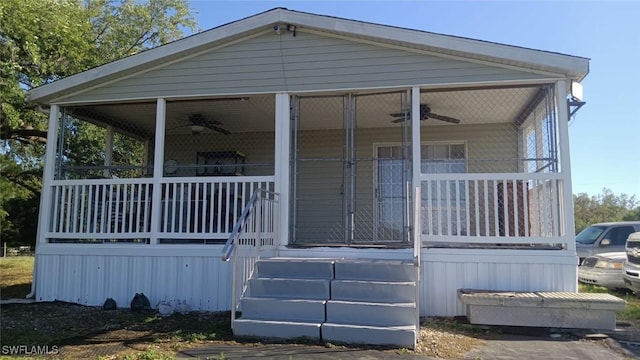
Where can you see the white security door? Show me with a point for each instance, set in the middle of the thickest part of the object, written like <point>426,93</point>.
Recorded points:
<point>389,197</point>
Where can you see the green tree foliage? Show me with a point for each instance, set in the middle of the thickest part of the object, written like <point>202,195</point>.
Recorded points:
<point>604,207</point>
<point>45,40</point>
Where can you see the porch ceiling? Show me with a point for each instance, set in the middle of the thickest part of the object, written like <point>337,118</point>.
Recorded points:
<point>255,113</point>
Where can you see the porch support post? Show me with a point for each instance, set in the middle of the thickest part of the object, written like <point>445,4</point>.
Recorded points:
<point>282,154</point>
<point>158,165</point>
<point>416,157</point>
<point>48,175</point>
<point>567,221</point>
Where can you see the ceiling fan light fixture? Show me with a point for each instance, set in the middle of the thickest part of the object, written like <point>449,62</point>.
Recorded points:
<point>196,129</point>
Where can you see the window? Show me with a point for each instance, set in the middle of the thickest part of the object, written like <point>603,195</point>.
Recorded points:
<point>619,235</point>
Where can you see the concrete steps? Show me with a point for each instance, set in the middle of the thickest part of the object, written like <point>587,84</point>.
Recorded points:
<point>347,301</point>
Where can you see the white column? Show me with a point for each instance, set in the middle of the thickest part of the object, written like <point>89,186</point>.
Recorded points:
<point>566,210</point>
<point>282,154</point>
<point>416,169</point>
<point>48,174</point>
<point>415,135</point>
<point>158,165</point>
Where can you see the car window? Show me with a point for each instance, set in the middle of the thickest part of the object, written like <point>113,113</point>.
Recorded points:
<point>619,235</point>
<point>590,234</point>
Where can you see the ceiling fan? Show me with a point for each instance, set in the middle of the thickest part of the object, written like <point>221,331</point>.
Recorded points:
<point>425,113</point>
<point>198,123</point>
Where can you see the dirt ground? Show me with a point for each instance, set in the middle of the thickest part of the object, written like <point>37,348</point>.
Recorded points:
<point>81,332</point>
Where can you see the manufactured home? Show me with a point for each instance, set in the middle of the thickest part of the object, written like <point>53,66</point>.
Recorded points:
<point>326,151</point>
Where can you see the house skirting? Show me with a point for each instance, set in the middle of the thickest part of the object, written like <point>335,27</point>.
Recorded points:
<point>89,274</point>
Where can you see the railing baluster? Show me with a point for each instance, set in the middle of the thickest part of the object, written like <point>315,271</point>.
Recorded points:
<point>91,211</point>
<point>189,205</point>
<point>104,216</point>
<point>81,218</point>
<point>516,218</point>
<point>487,229</point>
<point>525,201</point>
<point>68,208</point>
<point>546,210</point>
<point>131,205</point>
<point>476,207</point>
<point>138,219</point>
<point>219,206</point>
<point>505,206</point>
<point>554,207</point>
<point>496,209</point>
<point>57,202</point>
<point>227,202</point>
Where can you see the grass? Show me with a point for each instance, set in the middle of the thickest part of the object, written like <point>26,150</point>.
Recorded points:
<point>632,310</point>
<point>15,276</point>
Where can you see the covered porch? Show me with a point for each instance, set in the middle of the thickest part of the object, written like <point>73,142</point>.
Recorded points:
<point>343,169</point>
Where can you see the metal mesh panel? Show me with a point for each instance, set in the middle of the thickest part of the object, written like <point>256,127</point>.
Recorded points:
<point>106,141</point>
<point>349,170</point>
<point>318,214</point>
<point>220,137</point>
<point>217,153</point>
<point>109,144</point>
<point>490,172</point>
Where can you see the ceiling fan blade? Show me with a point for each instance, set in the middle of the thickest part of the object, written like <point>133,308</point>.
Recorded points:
<point>400,114</point>
<point>218,129</point>
<point>443,118</point>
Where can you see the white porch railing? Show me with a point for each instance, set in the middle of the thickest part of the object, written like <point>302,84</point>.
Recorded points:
<point>255,230</point>
<point>518,208</point>
<point>206,207</point>
<point>190,207</point>
<point>100,208</point>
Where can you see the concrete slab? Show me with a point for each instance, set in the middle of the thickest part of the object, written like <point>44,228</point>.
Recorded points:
<point>374,270</point>
<point>366,313</point>
<point>276,329</point>
<point>400,336</point>
<point>295,268</point>
<point>289,288</point>
<point>377,291</point>
<point>283,309</point>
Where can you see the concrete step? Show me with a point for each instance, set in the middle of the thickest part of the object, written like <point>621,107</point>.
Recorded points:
<point>373,291</point>
<point>367,313</point>
<point>375,270</point>
<point>317,289</point>
<point>283,309</point>
<point>295,268</point>
<point>276,329</point>
<point>378,335</point>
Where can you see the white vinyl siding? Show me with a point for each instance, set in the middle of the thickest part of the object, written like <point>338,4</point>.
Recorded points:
<point>307,62</point>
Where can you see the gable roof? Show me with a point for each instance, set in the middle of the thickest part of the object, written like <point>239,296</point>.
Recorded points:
<point>573,67</point>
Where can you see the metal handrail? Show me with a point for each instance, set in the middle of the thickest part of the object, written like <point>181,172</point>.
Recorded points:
<point>229,246</point>
<point>230,251</point>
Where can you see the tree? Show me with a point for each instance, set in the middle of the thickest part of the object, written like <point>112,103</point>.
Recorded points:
<point>45,40</point>
<point>604,207</point>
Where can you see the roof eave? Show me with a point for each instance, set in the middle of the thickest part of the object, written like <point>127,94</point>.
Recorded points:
<point>571,66</point>
<point>574,67</point>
